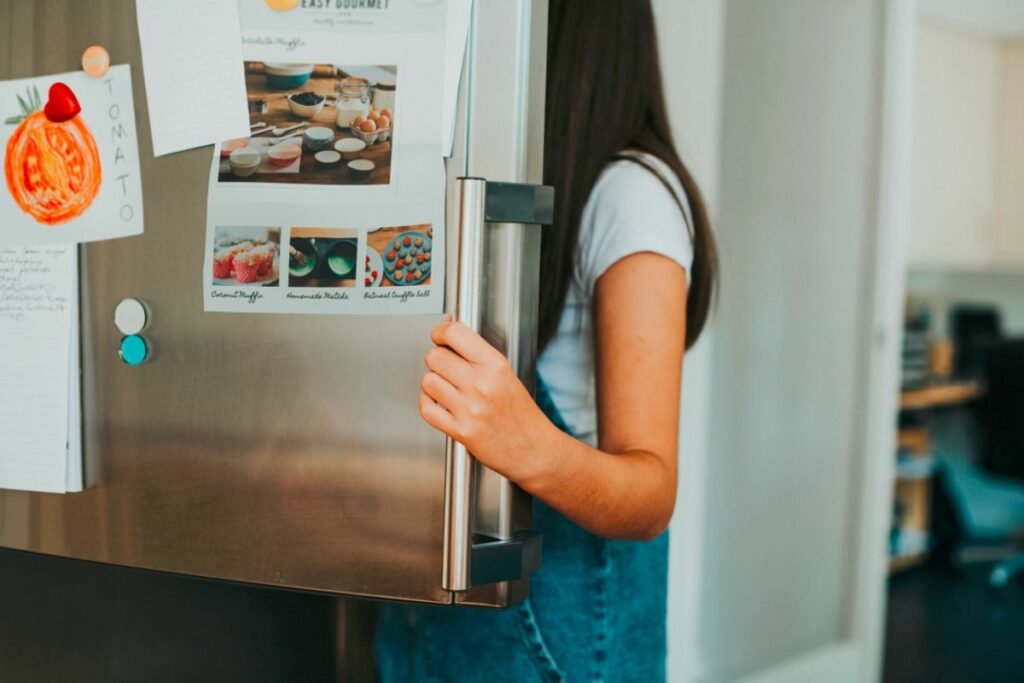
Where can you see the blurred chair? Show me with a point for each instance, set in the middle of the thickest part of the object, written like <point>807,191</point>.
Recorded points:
<point>974,330</point>
<point>1000,415</point>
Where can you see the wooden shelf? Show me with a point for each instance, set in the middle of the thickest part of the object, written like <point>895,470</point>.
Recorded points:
<point>915,440</point>
<point>940,395</point>
<point>903,562</point>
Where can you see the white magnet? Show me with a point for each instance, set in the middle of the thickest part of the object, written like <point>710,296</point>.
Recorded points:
<point>131,316</point>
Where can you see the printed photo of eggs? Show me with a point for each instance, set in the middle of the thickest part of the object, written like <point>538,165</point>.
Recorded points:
<point>315,124</point>
<point>404,254</point>
<point>246,257</point>
<point>322,257</point>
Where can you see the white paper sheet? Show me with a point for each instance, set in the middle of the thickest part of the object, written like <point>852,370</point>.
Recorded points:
<point>75,471</point>
<point>459,15</point>
<point>38,302</point>
<point>192,63</point>
<point>71,181</point>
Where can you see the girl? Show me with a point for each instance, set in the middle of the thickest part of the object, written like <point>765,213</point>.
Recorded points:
<point>629,269</point>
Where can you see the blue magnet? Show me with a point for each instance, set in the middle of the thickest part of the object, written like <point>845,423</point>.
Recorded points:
<point>134,350</point>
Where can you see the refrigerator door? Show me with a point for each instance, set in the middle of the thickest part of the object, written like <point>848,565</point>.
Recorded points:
<point>283,450</point>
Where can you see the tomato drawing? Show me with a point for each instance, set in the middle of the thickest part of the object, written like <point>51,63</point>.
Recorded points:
<point>52,164</point>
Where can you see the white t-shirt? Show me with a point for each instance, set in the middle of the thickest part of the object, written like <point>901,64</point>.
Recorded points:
<point>629,211</point>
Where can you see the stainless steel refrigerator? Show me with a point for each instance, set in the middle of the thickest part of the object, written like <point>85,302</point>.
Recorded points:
<point>287,450</point>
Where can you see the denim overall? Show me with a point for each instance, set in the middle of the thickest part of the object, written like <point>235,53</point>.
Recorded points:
<point>596,612</point>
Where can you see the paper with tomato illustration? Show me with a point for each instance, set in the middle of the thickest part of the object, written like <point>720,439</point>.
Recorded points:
<point>70,159</point>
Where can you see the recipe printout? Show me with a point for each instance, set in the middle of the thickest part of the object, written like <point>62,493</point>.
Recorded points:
<point>71,159</point>
<point>191,60</point>
<point>40,423</point>
<point>334,202</point>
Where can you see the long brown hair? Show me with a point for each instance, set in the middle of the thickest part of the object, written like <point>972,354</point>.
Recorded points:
<point>604,96</point>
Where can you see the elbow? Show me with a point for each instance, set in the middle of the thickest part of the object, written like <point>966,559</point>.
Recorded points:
<point>654,526</point>
<point>652,531</point>
<point>658,515</point>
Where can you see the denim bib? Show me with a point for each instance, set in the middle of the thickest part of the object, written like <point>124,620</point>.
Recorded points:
<point>596,612</point>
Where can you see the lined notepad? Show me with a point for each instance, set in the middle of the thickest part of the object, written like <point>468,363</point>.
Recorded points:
<point>40,406</point>
<point>195,79</point>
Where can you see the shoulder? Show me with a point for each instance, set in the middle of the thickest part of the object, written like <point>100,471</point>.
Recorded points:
<point>645,181</point>
<point>635,206</point>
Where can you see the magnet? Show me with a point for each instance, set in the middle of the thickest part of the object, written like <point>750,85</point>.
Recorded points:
<point>131,316</point>
<point>62,105</point>
<point>134,350</point>
<point>95,60</point>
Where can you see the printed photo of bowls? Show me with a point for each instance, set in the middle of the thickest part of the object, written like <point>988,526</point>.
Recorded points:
<point>360,169</point>
<point>317,138</point>
<point>284,155</point>
<point>229,146</point>
<point>317,98</point>
<point>306,105</point>
<point>350,148</point>
<point>323,257</point>
<point>244,162</point>
<point>341,258</point>
<point>327,157</point>
<point>285,76</point>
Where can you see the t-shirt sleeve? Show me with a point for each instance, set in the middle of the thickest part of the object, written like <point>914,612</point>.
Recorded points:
<point>630,211</point>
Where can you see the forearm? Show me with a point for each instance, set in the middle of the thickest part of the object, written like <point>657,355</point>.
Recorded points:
<point>626,490</point>
<point>629,495</point>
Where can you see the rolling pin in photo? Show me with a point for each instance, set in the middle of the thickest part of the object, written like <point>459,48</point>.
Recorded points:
<point>319,70</point>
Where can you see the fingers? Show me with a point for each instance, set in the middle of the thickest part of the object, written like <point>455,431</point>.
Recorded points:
<point>440,390</point>
<point>449,365</point>
<point>436,416</point>
<point>464,342</point>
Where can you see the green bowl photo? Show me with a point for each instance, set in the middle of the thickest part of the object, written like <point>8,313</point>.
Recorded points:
<point>341,258</point>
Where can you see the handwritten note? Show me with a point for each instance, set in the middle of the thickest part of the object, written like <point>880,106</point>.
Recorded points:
<point>38,368</point>
<point>192,63</point>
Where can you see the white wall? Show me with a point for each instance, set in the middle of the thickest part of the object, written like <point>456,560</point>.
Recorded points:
<point>953,171</point>
<point>690,41</point>
<point>994,17</point>
<point>1010,156</point>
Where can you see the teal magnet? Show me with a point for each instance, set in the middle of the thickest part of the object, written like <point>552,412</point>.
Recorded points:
<point>134,350</point>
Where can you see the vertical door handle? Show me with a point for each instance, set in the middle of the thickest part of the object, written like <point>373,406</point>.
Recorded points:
<point>480,202</point>
<point>467,309</point>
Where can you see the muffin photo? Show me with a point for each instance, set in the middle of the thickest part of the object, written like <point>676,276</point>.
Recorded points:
<point>246,256</point>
